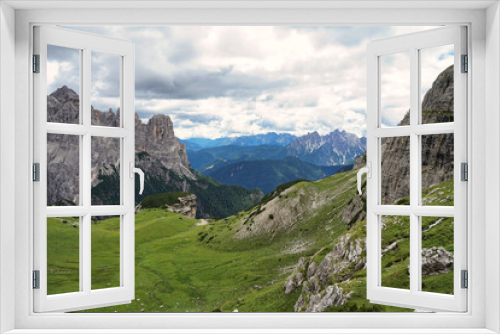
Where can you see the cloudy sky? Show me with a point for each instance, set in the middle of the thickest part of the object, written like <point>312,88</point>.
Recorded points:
<point>231,81</point>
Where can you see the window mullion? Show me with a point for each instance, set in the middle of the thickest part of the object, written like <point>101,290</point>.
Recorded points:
<point>85,247</point>
<point>414,172</point>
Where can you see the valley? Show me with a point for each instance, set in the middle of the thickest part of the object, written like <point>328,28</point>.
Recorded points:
<point>249,262</point>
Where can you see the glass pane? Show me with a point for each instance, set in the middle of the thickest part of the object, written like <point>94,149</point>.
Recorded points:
<point>63,255</point>
<point>437,254</point>
<point>395,89</point>
<point>395,182</point>
<point>105,89</point>
<point>105,171</point>
<point>437,170</point>
<point>63,170</point>
<point>63,85</point>
<point>436,80</point>
<point>395,251</point>
<point>105,252</point>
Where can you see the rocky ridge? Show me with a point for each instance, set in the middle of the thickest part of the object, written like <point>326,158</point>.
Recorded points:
<point>319,280</point>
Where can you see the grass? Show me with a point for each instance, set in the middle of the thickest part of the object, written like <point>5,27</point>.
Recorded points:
<point>185,267</point>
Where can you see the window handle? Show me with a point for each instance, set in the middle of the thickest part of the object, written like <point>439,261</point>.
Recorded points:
<point>365,170</point>
<point>141,176</point>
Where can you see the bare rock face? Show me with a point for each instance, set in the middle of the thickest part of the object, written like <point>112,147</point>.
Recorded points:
<point>319,281</point>
<point>156,140</point>
<point>436,260</point>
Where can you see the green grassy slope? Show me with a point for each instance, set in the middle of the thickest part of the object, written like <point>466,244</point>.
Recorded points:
<point>230,263</point>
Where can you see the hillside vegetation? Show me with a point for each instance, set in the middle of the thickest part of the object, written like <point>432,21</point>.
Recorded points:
<point>268,174</point>
<point>245,261</point>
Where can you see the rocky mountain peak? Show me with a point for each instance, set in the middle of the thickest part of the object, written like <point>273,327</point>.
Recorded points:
<point>65,94</point>
<point>161,127</point>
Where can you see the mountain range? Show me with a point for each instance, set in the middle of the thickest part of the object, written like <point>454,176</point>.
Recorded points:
<point>334,149</point>
<point>269,174</point>
<point>270,138</point>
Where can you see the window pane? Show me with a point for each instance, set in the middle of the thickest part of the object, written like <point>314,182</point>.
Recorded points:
<point>436,80</point>
<point>395,89</point>
<point>105,89</point>
<point>63,85</point>
<point>63,255</point>
<point>395,251</point>
<point>437,170</point>
<point>63,170</point>
<point>105,171</point>
<point>437,254</point>
<point>105,252</point>
<point>395,171</point>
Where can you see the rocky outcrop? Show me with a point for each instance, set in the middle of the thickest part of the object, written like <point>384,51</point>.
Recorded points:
<point>319,278</point>
<point>332,296</point>
<point>436,260</point>
<point>157,138</point>
<point>333,149</point>
<point>186,206</point>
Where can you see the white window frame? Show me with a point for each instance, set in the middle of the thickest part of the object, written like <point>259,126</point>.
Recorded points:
<point>414,296</point>
<point>484,102</point>
<point>86,44</point>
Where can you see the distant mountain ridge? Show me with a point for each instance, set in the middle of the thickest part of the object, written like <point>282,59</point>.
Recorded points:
<point>270,138</point>
<point>338,148</point>
<point>209,159</point>
<point>268,174</point>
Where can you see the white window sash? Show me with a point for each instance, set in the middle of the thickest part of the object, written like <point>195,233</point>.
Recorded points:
<point>86,297</point>
<point>414,298</point>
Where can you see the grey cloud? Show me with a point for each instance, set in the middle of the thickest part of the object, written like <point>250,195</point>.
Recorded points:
<point>105,69</point>
<point>311,104</point>
<point>182,116</point>
<point>202,84</point>
<point>197,118</point>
